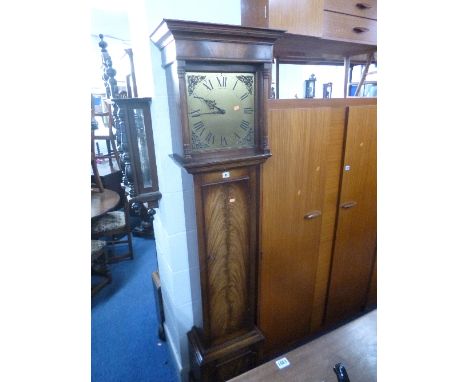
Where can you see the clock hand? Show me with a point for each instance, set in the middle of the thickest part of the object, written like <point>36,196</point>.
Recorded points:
<point>212,106</point>
<point>211,112</point>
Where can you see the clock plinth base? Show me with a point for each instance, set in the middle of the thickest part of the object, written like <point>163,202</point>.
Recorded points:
<point>223,361</point>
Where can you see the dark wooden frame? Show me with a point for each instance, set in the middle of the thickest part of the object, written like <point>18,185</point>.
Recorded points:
<point>218,353</point>
<point>201,182</point>
<point>213,358</point>
<point>130,79</point>
<point>259,133</point>
<point>125,108</point>
<point>187,46</point>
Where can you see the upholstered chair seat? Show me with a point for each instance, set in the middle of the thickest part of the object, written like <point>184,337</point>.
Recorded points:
<point>96,248</point>
<point>113,227</point>
<point>109,222</point>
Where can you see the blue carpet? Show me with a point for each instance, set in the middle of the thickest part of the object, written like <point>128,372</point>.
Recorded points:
<point>124,343</point>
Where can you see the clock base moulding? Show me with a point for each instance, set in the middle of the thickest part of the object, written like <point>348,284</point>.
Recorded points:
<point>224,361</point>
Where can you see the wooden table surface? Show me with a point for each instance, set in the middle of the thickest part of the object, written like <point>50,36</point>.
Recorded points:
<point>102,202</point>
<point>354,345</point>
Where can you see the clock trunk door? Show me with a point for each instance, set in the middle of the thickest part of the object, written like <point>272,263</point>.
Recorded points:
<point>226,210</point>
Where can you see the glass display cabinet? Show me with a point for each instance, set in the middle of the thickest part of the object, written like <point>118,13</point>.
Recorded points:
<point>134,138</point>
<point>136,148</point>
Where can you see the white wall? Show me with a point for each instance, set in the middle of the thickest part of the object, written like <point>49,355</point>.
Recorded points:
<point>174,223</point>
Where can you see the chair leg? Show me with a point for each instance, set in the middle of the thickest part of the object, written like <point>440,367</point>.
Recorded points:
<point>126,256</point>
<point>100,268</point>
<point>97,178</point>
<point>130,244</point>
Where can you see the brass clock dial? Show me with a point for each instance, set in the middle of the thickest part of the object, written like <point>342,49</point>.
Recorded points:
<point>221,110</point>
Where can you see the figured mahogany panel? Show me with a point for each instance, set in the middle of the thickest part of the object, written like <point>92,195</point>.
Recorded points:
<point>228,247</point>
<point>356,232</point>
<point>299,195</point>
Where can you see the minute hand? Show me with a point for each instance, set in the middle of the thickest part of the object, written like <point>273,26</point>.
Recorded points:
<point>212,106</point>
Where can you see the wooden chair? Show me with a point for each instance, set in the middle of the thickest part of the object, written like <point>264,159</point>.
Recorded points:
<point>97,178</point>
<point>113,227</point>
<point>109,138</point>
<point>99,265</point>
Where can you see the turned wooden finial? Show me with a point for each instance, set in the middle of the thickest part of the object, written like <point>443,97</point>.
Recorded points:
<point>108,75</point>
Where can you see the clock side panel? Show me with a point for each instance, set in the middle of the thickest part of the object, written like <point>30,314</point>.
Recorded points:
<point>177,105</point>
<point>229,256</point>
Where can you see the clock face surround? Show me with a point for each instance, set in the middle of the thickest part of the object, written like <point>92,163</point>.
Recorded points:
<point>221,110</point>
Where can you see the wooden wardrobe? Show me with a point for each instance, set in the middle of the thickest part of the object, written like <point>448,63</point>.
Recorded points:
<point>318,218</point>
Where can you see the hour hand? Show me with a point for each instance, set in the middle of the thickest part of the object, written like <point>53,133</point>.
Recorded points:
<point>212,106</point>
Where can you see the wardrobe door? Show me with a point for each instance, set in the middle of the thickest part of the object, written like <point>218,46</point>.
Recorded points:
<point>356,231</point>
<point>295,191</point>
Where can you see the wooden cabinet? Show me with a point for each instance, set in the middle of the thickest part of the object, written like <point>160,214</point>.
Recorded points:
<point>300,189</point>
<point>356,227</point>
<point>367,8</point>
<point>295,16</point>
<point>303,232</point>
<point>341,20</point>
<point>337,26</point>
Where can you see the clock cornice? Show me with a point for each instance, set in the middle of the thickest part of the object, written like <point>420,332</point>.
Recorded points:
<point>190,46</point>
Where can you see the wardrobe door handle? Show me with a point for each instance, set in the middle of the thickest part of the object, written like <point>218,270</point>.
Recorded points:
<point>312,215</point>
<point>348,205</point>
<point>360,29</point>
<point>363,6</point>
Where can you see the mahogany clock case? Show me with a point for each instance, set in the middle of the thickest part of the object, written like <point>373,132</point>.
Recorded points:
<point>193,155</point>
<point>188,46</point>
<point>226,179</point>
<point>221,110</point>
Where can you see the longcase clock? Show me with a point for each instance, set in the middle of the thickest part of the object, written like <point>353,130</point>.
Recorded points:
<point>218,79</point>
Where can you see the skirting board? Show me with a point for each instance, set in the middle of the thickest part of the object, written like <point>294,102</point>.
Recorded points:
<point>182,372</point>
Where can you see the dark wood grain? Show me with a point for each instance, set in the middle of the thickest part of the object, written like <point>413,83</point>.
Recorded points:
<point>356,231</point>
<point>226,210</point>
<point>221,362</point>
<point>227,235</point>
